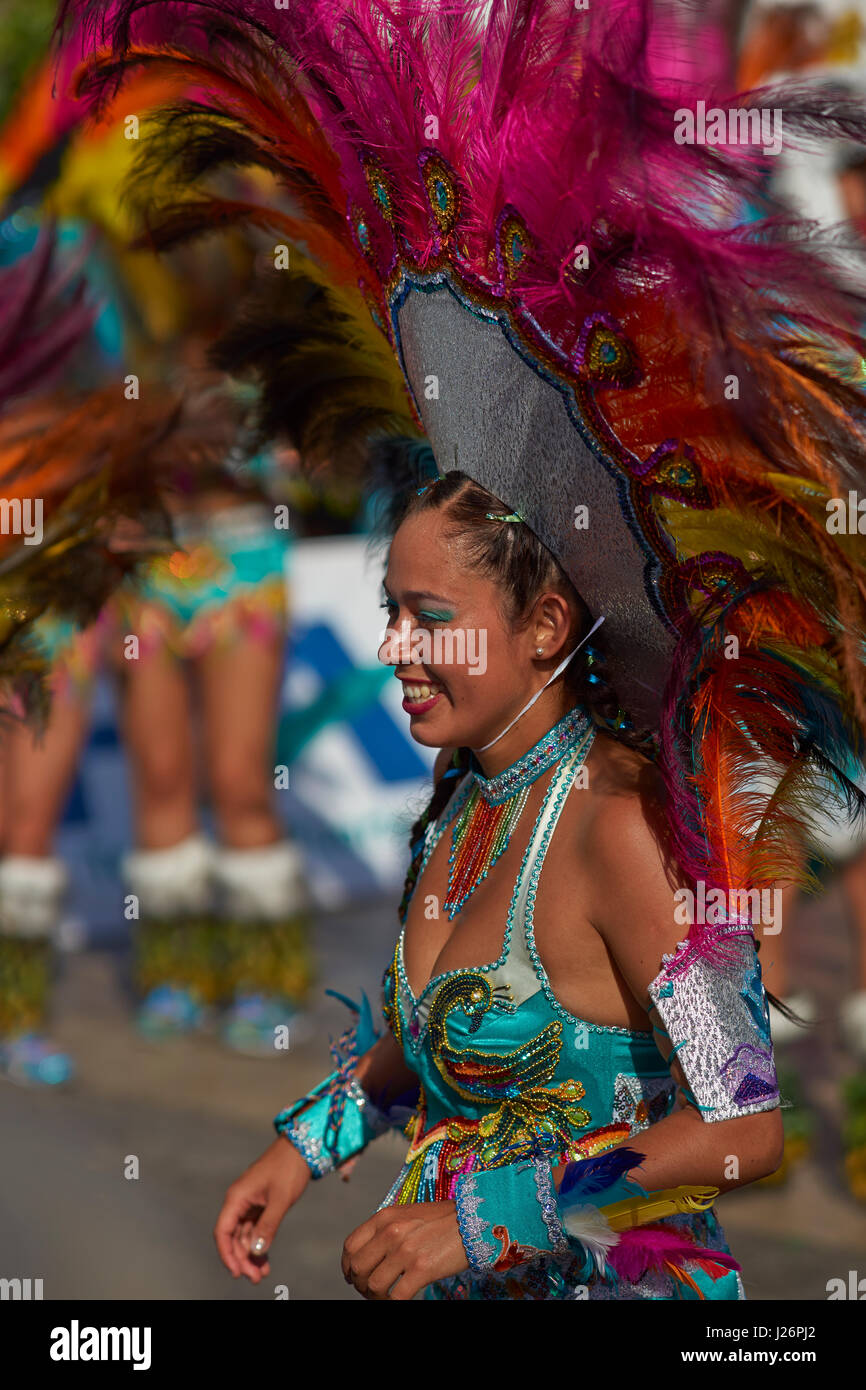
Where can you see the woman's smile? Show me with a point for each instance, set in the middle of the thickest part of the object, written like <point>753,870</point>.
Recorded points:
<point>419,696</point>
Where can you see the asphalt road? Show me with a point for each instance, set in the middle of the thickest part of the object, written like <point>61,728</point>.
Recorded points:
<point>194,1116</point>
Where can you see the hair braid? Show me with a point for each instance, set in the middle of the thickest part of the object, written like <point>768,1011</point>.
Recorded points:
<point>442,793</point>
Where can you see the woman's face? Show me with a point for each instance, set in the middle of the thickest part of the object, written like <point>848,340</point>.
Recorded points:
<point>465,672</point>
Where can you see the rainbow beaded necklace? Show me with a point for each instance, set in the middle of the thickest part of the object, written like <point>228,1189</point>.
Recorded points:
<point>483,829</point>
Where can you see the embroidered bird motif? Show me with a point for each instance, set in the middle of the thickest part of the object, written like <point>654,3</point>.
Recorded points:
<point>526,1109</point>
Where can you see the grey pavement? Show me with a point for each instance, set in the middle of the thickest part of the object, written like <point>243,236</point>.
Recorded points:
<point>194,1116</point>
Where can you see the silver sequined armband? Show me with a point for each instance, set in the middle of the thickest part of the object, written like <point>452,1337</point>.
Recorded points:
<point>717,1018</point>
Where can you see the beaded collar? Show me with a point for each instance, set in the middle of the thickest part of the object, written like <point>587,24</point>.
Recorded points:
<point>549,749</point>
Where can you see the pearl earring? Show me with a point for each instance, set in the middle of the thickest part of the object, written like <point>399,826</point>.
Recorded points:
<point>539,651</point>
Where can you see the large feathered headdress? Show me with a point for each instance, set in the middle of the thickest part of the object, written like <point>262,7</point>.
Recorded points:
<point>670,398</point>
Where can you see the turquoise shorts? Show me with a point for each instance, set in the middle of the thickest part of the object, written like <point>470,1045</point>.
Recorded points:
<point>227,575</point>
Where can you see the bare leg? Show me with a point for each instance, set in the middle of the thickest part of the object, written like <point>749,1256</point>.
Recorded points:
<point>240,692</point>
<point>175,968</point>
<point>258,871</point>
<point>159,738</point>
<point>37,775</point>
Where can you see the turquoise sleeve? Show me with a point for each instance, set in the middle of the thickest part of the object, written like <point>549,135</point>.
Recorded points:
<point>512,1214</point>
<point>340,1122</point>
<point>509,1215</point>
<point>337,1120</point>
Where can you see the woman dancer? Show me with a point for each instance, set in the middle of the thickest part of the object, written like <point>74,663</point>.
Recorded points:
<point>83,466</point>
<point>625,384</point>
<point>553,1044</point>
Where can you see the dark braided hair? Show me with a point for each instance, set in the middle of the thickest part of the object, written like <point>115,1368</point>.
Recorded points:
<point>512,555</point>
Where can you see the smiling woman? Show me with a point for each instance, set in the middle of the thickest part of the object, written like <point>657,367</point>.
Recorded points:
<point>522,1026</point>
<point>449,534</point>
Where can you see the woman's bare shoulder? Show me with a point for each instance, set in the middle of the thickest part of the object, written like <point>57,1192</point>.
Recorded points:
<point>627,837</point>
<point>624,783</point>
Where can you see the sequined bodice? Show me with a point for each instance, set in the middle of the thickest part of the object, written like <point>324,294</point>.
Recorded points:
<point>504,1068</point>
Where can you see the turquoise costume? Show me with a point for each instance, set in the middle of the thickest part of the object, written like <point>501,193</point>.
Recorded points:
<point>503,1065</point>
<point>511,1085</point>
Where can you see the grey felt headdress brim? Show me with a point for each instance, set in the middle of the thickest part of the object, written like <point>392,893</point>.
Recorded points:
<point>493,415</point>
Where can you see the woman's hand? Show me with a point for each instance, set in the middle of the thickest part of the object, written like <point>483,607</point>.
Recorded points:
<point>402,1249</point>
<point>255,1205</point>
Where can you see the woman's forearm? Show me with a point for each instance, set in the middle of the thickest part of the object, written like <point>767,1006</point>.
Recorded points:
<point>361,1099</point>
<point>684,1150</point>
<point>384,1075</point>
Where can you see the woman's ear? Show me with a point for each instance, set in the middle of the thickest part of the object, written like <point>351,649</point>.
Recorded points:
<point>550,625</point>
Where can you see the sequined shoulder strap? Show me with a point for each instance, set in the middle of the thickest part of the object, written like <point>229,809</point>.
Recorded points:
<point>521,945</point>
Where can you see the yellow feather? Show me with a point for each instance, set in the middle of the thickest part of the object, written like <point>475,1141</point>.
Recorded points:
<point>640,1211</point>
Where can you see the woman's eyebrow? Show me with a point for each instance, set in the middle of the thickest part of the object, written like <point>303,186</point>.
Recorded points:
<point>418,594</point>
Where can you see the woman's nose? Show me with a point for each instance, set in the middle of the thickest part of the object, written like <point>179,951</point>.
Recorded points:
<point>394,649</point>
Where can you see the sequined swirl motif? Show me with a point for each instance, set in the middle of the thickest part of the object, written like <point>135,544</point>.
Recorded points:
<point>525,1115</point>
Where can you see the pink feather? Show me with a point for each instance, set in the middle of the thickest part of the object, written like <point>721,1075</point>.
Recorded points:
<point>651,1247</point>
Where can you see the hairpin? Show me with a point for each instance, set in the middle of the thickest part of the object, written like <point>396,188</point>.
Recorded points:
<point>432,483</point>
<point>505,516</point>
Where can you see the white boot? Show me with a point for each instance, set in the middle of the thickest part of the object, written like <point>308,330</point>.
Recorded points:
<point>265,884</point>
<point>260,892</point>
<point>174,889</point>
<point>852,1016</point>
<point>32,888</point>
<point>174,882</point>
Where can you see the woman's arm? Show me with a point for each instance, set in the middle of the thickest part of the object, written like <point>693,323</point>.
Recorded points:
<point>683,1150</point>
<point>257,1201</point>
<point>384,1075</point>
<point>634,912</point>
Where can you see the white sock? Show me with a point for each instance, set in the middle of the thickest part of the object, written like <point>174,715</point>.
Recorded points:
<point>172,882</point>
<point>32,888</point>
<point>264,884</point>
